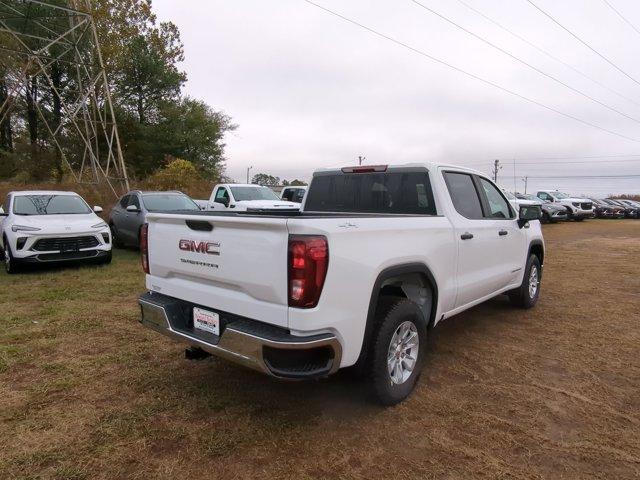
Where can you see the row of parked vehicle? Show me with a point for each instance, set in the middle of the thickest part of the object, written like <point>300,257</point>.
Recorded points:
<point>279,291</point>
<point>39,227</point>
<point>48,226</point>
<point>558,206</point>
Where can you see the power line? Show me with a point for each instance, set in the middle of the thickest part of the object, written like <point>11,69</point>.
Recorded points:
<point>469,74</point>
<point>579,162</point>
<point>561,162</point>
<point>622,16</point>
<point>524,62</point>
<point>584,176</point>
<point>544,52</point>
<point>583,156</point>
<point>583,42</point>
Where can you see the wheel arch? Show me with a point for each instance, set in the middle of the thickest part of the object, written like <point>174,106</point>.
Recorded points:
<point>536,247</point>
<point>406,280</point>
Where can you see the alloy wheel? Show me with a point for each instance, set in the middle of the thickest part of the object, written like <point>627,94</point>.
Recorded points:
<point>402,355</point>
<point>533,281</point>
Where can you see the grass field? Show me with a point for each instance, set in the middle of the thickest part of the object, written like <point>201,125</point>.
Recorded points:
<point>554,392</point>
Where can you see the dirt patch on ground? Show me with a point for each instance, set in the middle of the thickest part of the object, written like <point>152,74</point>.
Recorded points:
<point>551,392</point>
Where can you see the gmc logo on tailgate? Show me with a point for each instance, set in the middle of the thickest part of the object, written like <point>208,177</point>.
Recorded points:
<point>209,248</point>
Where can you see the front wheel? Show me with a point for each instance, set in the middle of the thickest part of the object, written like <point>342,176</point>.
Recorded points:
<point>526,295</point>
<point>579,219</point>
<point>106,260</point>
<point>398,350</point>
<point>10,264</point>
<point>115,236</point>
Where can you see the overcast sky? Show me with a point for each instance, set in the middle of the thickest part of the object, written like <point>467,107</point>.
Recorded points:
<point>308,89</point>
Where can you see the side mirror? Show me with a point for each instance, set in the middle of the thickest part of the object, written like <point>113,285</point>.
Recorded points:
<point>223,201</point>
<point>97,209</point>
<point>528,213</point>
<point>133,208</point>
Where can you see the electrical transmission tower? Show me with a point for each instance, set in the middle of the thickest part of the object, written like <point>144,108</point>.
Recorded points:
<point>51,47</point>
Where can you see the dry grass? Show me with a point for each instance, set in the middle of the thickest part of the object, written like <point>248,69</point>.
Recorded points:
<point>86,393</point>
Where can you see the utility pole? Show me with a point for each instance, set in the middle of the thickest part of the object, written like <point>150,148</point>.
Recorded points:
<point>361,159</point>
<point>525,184</point>
<point>496,167</point>
<point>248,169</point>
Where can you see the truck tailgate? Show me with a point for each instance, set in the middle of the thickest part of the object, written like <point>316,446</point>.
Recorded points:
<point>239,266</point>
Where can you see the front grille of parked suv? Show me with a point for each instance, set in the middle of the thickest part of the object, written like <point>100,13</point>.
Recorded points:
<point>64,243</point>
<point>586,206</point>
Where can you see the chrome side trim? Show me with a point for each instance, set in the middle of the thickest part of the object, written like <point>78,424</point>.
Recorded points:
<point>235,345</point>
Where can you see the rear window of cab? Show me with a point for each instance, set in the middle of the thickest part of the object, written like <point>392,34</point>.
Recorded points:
<point>372,192</point>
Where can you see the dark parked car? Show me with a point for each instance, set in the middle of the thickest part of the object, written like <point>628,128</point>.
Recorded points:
<point>129,214</point>
<point>605,210</point>
<point>630,204</point>
<point>629,212</point>
<point>551,212</point>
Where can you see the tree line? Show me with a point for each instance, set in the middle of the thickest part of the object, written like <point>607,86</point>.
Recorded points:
<point>267,180</point>
<point>156,120</point>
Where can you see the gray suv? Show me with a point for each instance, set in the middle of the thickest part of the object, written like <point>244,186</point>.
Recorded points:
<point>130,213</point>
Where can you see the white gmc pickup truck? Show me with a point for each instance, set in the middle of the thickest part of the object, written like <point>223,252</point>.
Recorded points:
<point>376,256</point>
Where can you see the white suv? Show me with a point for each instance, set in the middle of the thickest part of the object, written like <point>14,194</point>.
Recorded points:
<point>577,208</point>
<point>40,227</point>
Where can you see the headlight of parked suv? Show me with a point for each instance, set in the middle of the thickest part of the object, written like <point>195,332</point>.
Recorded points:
<point>24,228</point>
<point>99,225</point>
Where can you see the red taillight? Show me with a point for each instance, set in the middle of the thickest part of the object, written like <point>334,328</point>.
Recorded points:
<point>144,247</point>
<point>308,261</point>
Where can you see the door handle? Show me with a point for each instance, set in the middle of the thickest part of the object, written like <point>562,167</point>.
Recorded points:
<point>466,236</point>
<point>502,233</point>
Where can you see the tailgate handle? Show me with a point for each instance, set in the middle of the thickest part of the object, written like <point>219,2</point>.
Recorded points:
<point>199,225</point>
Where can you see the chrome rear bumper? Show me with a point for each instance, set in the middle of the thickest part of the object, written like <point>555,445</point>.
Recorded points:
<point>255,345</point>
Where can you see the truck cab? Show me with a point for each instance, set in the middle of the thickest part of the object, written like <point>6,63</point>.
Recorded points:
<point>242,197</point>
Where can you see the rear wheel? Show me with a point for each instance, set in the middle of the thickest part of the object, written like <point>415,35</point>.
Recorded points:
<point>545,218</point>
<point>579,219</point>
<point>397,351</point>
<point>526,296</point>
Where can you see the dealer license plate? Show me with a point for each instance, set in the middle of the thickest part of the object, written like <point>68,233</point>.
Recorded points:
<point>206,321</point>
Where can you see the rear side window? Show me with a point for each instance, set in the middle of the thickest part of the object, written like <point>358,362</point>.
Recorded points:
<point>299,195</point>
<point>394,192</point>
<point>288,194</point>
<point>463,194</point>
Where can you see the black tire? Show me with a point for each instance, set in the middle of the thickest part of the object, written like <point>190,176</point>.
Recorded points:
<point>115,238</point>
<point>389,319</point>
<point>545,218</point>
<point>105,260</point>
<point>579,219</point>
<point>522,296</point>
<point>11,266</point>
